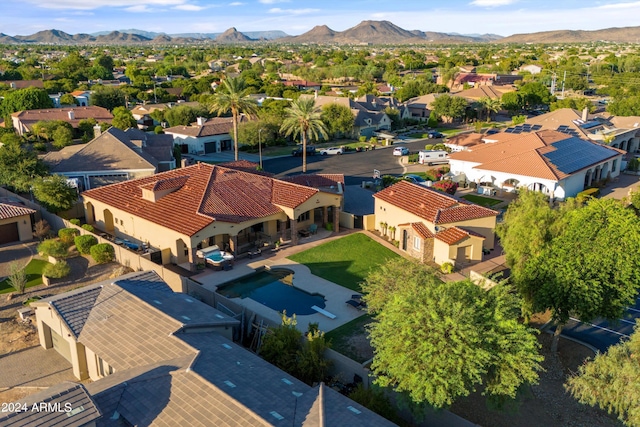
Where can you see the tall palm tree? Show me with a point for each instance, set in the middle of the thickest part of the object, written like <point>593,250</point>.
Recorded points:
<point>490,105</point>
<point>233,96</point>
<point>304,119</point>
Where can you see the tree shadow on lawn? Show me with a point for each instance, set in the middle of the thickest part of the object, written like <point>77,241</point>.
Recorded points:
<point>337,272</point>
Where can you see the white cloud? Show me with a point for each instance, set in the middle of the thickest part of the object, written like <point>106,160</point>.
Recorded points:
<point>627,5</point>
<point>273,1</point>
<point>492,3</point>
<point>95,4</point>
<point>141,8</point>
<point>293,11</point>
<point>189,7</point>
<point>236,3</point>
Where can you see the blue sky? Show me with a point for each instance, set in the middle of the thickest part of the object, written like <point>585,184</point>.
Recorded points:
<point>504,17</point>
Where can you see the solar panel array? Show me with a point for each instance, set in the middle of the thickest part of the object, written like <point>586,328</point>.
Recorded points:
<point>525,127</point>
<point>573,154</point>
<point>568,131</point>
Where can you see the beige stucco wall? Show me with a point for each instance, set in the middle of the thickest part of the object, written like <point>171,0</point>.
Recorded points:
<point>449,253</point>
<point>47,321</point>
<point>393,216</point>
<point>24,226</point>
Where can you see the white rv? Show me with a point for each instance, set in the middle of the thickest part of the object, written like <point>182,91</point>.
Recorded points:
<point>433,157</point>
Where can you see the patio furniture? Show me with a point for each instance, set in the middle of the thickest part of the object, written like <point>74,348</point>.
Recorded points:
<point>313,228</point>
<point>303,233</point>
<point>254,253</point>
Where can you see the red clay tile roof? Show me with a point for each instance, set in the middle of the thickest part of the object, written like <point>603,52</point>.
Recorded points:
<point>30,117</point>
<point>209,193</point>
<point>166,184</point>
<point>422,230</point>
<point>245,166</point>
<point>8,210</point>
<point>431,205</point>
<point>317,180</point>
<point>454,234</point>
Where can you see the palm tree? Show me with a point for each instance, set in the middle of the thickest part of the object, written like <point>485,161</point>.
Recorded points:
<point>233,96</point>
<point>304,119</point>
<point>490,105</point>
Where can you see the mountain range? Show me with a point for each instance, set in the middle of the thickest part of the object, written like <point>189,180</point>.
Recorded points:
<point>366,32</point>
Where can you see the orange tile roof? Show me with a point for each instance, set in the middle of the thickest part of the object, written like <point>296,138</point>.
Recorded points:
<point>30,117</point>
<point>422,230</point>
<point>431,205</point>
<point>317,180</point>
<point>455,234</point>
<point>521,154</point>
<point>9,210</point>
<point>208,193</point>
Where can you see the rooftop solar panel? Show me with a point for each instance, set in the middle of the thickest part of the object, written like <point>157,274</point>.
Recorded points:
<point>508,130</point>
<point>590,124</point>
<point>572,154</point>
<point>536,127</point>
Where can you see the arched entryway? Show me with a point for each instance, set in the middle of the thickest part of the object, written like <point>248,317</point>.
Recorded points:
<point>108,221</point>
<point>89,213</point>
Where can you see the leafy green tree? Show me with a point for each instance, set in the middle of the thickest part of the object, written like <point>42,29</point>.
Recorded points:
<point>108,97</point>
<point>19,166</point>
<point>575,103</point>
<point>438,341</point>
<point>62,137</point>
<point>102,253</point>
<point>490,106</point>
<point>68,99</point>
<point>433,120</point>
<point>105,61</point>
<point>611,381</point>
<point>394,115</point>
<point>255,132</point>
<point>513,102</point>
<point>304,118</point>
<point>450,107</point>
<point>54,193</point>
<point>338,119</point>
<point>53,248</point>
<point>85,129</point>
<point>123,119</point>
<point>375,399</point>
<point>535,94</point>
<point>73,66</point>
<point>183,115</point>
<point>25,99</point>
<point>84,243</point>
<point>233,97</point>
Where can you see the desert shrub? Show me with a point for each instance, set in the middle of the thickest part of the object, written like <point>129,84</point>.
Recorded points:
<point>634,164</point>
<point>446,268</point>
<point>75,221</point>
<point>57,271</point>
<point>40,146</point>
<point>67,235</point>
<point>84,243</point>
<point>54,248</point>
<point>362,138</point>
<point>102,253</point>
<point>587,194</point>
<point>88,227</point>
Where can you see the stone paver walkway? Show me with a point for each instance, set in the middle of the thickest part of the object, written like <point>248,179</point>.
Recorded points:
<point>34,367</point>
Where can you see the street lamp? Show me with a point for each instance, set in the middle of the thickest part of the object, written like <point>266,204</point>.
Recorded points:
<point>260,146</point>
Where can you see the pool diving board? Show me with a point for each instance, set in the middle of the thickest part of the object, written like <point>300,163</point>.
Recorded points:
<point>323,311</point>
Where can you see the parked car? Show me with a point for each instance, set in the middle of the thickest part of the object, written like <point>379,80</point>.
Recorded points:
<point>435,134</point>
<point>400,151</point>
<point>415,179</point>
<point>331,150</point>
<point>311,151</point>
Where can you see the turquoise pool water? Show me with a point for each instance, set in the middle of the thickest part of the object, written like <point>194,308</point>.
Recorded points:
<point>274,289</point>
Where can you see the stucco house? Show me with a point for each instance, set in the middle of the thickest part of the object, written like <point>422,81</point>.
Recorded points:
<point>205,136</point>
<point>433,226</point>
<point>186,209</point>
<point>557,164</point>
<point>113,156</point>
<point>156,357</point>
<point>15,222</point>
<point>23,121</point>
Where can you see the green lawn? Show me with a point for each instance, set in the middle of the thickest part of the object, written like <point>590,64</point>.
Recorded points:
<point>345,261</point>
<point>341,338</point>
<point>482,201</point>
<point>34,276</point>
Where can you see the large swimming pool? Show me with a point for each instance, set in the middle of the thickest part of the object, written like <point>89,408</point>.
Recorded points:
<point>274,289</point>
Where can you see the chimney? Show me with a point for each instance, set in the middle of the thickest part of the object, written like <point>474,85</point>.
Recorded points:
<point>315,94</point>
<point>201,121</point>
<point>12,85</point>
<point>72,115</point>
<point>97,131</point>
<point>585,114</point>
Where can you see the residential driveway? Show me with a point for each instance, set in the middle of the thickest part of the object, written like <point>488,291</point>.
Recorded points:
<point>13,252</point>
<point>620,188</point>
<point>34,367</point>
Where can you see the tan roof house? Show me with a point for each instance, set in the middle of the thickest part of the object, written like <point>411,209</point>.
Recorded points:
<point>15,223</point>
<point>156,357</point>
<point>113,156</point>
<point>433,226</point>
<point>23,121</point>
<point>186,209</point>
<point>555,163</point>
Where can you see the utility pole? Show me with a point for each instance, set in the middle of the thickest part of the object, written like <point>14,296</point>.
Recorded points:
<point>260,146</point>
<point>553,84</point>
<point>563,79</point>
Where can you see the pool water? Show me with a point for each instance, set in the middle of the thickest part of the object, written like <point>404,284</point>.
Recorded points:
<point>274,289</point>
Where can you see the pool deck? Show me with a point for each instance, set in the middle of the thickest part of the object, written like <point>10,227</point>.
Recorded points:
<point>335,296</point>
